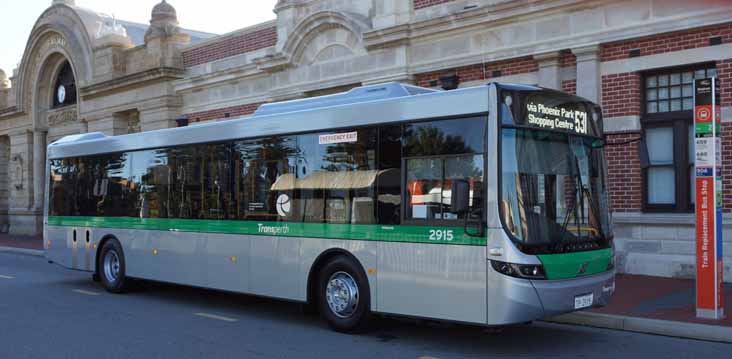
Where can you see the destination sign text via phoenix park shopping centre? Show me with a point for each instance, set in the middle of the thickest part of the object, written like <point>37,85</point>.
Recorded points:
<point>556,118</point>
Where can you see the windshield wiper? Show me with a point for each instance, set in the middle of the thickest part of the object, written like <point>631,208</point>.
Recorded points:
<point>570,210</point>
<point>593,208</point>
<point>583,192</point>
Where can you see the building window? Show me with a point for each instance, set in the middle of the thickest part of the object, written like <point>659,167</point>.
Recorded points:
<point>668,119</point>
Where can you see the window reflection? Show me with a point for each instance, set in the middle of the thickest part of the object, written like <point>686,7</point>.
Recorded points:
<point>346,177</point>
<point>436,154</point>
<point>335,182</point>
<point>265,177</point>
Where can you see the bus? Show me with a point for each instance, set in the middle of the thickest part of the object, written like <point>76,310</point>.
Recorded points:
<point>485,205</point>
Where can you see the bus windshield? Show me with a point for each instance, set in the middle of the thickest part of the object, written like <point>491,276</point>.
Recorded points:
<point>553,188</point>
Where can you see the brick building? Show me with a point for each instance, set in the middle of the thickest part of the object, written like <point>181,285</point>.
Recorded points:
<point>636,58</point>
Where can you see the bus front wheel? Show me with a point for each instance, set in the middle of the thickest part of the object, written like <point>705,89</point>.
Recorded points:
<point>112,267</point>
<point>344,295</point>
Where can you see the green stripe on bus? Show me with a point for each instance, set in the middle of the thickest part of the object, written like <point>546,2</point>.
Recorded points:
<point>365,232</point>
<point>569,265</point>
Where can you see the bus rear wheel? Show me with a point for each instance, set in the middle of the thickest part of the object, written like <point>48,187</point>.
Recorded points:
<point>344,298</point>
<point>111,268</point>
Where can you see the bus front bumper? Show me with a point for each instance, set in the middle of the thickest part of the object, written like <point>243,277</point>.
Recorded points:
<point>562,296</point>
<point>513,300</point>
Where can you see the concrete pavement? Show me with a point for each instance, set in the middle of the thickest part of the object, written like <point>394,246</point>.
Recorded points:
<point>664,306</point>
<point>47,311</point>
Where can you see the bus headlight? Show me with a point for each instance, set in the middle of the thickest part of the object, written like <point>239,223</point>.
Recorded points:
<point>524,271</point>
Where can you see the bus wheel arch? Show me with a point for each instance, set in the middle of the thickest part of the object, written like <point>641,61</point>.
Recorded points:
<point>339,288</point>
<point>98,253</point>
<point>112,275</point>
<point>323,259</point>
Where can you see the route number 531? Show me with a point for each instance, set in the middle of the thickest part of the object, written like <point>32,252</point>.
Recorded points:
<point>441,235</point>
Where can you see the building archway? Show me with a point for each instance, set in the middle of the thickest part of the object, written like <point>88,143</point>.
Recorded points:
<point>55,114</point>
<point>51,101</point>
<point>322,30</point>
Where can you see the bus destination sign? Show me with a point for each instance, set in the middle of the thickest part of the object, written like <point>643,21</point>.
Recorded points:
<point>557,118</point>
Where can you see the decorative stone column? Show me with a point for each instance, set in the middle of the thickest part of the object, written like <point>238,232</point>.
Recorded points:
<point>39,168</point>
<point>548,75</point>
<point>588,72</point>
<point>24,220</point>
<point>158,118</point>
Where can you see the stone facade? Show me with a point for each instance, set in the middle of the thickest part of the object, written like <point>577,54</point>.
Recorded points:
<point>598,49</point>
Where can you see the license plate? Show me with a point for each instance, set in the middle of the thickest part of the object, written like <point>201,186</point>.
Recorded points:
<point>583,301</point>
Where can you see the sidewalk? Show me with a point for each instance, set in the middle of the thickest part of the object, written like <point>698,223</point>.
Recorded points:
<point>21,244</point>
<point>656,305</point>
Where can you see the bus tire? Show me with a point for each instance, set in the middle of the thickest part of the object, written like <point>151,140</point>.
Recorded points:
<point>344,296</point>
<point>112,267</point>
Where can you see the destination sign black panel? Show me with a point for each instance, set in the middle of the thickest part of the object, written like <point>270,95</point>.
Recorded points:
<point>551,110</point>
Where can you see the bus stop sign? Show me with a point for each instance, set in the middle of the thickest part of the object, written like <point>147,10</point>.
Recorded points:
<point>708,169</point>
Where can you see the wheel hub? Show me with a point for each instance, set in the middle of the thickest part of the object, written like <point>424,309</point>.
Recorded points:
<point>111,266</point>
<point>341,293</point>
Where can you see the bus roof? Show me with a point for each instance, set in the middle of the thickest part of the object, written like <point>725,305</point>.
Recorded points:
<point>365,106</point>
<point>390,90</point>
<point>362,106</point>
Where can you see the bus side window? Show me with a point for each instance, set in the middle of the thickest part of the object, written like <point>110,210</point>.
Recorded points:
<point>437,153</point>
<point>336,176</point>
<point>264,179</point>
<point>388,181</point>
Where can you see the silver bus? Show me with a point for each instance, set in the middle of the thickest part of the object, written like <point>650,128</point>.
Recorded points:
<point>485,205</point>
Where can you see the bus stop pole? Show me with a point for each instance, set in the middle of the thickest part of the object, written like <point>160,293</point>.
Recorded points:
<point>709,204</point>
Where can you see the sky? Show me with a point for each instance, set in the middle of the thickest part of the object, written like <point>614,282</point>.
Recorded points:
<point>216,16</point>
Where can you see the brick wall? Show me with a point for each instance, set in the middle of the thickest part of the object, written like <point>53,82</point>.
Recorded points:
<point>233,111</point>
<point>624,172</point>
<point>669,42</point>
<point>727,166</point>
<point>621,97</point>
<point>480,71</point>
<point>724,73</point>
<point>230,46</point>
<point>567,59</point>
<point>621,94</point>
<point>418,4</point>
<point>569,86</point>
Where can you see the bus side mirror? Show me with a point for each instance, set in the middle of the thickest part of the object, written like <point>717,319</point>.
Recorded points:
<point>459,196</point>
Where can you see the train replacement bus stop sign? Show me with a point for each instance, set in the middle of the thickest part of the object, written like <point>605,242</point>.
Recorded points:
<point>707,132</point>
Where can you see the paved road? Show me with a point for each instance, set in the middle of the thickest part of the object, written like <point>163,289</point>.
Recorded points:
<point>50,312</point>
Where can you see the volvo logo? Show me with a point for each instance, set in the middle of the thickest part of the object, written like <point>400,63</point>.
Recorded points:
<point>583,268</point>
